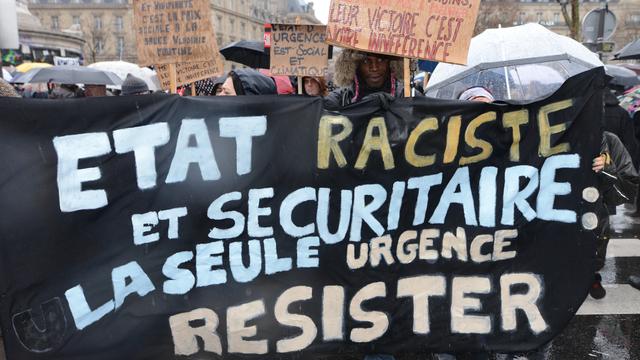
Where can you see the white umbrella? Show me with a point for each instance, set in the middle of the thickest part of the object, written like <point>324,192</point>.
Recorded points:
<point>501,59</point>
<point>122,68</point>
<point>6,75</point>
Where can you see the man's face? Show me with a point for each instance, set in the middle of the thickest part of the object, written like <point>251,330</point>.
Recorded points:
<point>374,70</point>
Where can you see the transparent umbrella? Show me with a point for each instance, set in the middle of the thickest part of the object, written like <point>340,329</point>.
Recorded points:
<point>524,62</point>
<point>6,75</point>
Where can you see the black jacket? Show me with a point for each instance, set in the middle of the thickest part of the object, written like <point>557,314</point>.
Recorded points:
<point>345,96</point>
<point>253,82</point>
<point>619,179</point>
<point>618,121</point>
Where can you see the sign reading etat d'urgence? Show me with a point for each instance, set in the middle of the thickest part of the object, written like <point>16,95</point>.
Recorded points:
<point>299,50</point>
<point>265,227</point>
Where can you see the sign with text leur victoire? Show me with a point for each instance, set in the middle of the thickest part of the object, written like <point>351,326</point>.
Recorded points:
<point>438,30</point>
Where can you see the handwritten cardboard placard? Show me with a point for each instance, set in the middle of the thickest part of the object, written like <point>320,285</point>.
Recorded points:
<point>299,50</point>
<point>173,31</point>
<point>187,73</point>
<point>438,30</point>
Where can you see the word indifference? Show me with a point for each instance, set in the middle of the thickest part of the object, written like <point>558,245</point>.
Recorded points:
<point>396,31</point>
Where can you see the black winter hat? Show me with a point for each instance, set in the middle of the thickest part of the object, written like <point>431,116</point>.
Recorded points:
<point>133,85</point>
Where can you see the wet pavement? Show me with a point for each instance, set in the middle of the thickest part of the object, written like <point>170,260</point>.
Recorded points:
<point>608,328</point>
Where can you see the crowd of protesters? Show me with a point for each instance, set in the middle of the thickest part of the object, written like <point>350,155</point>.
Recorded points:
<point>360,75</point>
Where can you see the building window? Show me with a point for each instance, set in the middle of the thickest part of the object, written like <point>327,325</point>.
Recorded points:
<point>556,18</point>
<point>231,25</point>
<point>243,28</point>
<point>76,20</point>
<point>97,22</point>
<point>539,17</point>
<point>55,23</point>
<point>522,17</point>
<point>99,46</point>
<point>635,18</point>
<point>119,23</point>
<point>255,31</point>
<point>121,46</point>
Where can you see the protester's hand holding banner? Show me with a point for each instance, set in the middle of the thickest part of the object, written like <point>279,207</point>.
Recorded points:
<point>161,227</point>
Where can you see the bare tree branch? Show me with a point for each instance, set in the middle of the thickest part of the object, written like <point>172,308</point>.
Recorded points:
<point>494,13</point>
<point>95,40</point>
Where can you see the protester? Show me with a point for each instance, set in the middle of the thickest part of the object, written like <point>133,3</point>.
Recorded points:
<point>248,82</point>
<point>134,86</point>
<point>64,91</point>
<point>283,83</point>
<point>618,121</point>
<point>618,184</point>
<point>91,90</point>
<point>6,90</point>
<point>314,86</point>
<point>361,74</point>
<point>210,86</point>
<point>477,93</point>
<point>217,85</point>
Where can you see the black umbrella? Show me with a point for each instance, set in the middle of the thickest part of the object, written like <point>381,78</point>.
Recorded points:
<point>68,75</point>
<point>630,51</point>
<point>246,52</point>
<point>622,76</point>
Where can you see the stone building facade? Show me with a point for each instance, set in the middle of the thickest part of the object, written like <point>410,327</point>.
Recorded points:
<point>38,42</point>
<point>107,25</point>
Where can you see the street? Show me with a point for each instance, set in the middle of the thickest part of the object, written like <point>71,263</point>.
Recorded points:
<point>608,328</point>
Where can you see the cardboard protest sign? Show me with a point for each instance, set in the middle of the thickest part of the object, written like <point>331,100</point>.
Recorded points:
<point>431,30</point>
<point>173,31</point>
<point>299,50</point>
<point>187,73</point>
<point>258,227</point>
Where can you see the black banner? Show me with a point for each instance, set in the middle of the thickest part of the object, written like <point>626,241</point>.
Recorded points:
<point>161,227</point>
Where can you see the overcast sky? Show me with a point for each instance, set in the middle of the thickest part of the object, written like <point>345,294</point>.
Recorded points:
<point>322,9</point>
